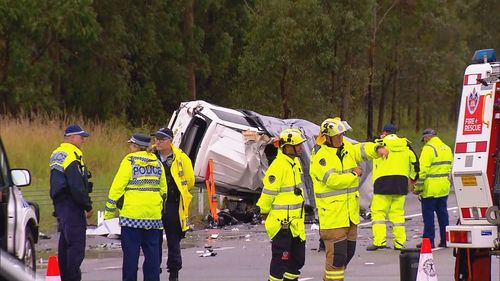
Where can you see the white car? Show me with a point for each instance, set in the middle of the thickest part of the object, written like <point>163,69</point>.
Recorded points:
<point>18,217</point>
<point>240,144</point>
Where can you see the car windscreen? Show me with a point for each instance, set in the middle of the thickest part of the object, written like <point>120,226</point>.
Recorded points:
<point>233,118</point>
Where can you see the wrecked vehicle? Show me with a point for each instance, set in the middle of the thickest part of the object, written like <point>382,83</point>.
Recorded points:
<point>240,144</point>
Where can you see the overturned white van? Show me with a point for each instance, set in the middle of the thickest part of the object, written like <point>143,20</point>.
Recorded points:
<point>239,142</point>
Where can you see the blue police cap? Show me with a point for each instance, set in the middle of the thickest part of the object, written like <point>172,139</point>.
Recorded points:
<point>75,129</point>
<point>164,133</point>
<point>140,139</point>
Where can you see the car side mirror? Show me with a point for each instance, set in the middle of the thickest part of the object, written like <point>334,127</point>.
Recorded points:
<point>20,177</point>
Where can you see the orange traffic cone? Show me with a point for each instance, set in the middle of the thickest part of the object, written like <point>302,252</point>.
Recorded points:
<point>426,267</point>
<point>53,273</point>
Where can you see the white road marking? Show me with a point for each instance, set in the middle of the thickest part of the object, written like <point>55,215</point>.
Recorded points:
<point>306,278</point>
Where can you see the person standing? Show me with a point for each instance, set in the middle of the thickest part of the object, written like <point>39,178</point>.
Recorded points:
<point>282,200</point>
<point>433,186</point>
<point>180,178</point>
<point>390,186</point>
<point>69,191</point>
<point>141,185</point>
<point>335,174</point>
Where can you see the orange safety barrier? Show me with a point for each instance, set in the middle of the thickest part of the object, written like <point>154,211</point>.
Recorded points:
<point>210,183</point>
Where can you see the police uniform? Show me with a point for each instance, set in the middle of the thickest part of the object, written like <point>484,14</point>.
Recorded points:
<point>141,181</point>
<point>69,191</point>
<point>390,186</point>
<point>336,194</point>
<point>281,199</point>
<point>180,178</point>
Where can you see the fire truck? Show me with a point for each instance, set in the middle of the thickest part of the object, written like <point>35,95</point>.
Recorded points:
<point>476,170</point>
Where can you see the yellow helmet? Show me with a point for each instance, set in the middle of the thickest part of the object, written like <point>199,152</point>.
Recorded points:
<point>291,136</point>
<point>334,126</point>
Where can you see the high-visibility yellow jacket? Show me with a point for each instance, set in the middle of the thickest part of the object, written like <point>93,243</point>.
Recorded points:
<point>390,174</point>
<point>69,176</point>
<point>183,174</point>
<point>335,184</point>
<point>278,198</point>
<point>141,179</point>
<point>435,167</point>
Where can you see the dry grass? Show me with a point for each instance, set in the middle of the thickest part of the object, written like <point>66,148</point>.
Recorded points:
<point>29,142</point>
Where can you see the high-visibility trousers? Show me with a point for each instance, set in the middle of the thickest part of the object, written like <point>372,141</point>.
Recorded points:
<point>392,207</point>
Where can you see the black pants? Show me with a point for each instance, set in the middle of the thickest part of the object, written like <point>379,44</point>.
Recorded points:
<point>71,249</point>
<point>289,254</point>
<point>173,231</point>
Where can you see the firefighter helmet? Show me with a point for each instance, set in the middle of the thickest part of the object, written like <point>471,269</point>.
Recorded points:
<point>291,136</point>
<point>334,126</point>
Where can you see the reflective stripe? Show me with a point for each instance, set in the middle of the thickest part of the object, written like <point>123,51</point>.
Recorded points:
<point>106,208</point>
<point>433,148</point>
<point>337,192</point>
<point>111,201</point>
<point>133,158</point>
<point>290,276</point>
<point>441,163</point>
<point>327,174</point>
<point>334,274</point>
<point>146,181</point>
<point>437,175</point>
<point>398,224</point>
<point>287,188</point>
<point>331,171</point>
<point>287,207</point>
<point>378,222</point>
<point>270,192</point>
<point>142,188</point>
<point>271,278</point>
<point>363,152</point>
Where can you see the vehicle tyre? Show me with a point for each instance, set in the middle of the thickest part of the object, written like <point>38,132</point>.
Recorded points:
<point>29,258</point>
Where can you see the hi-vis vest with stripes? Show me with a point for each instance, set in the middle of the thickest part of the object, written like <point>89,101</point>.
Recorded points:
<point>141,179</point>
<point>278,198</point>
<point>435,167</point>
<point>335,186</point>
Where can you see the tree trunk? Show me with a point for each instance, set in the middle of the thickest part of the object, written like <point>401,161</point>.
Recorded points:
<point>55,77</point>
<point>7,98</point>
<point>395,87</point>
<point>188,30</point>
<point>283,95</point>
<point>346,94</point>
<point>369,95</point>
<point>417,114</point>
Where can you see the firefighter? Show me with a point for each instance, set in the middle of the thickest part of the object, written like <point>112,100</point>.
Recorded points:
<point>283,201</point>
<point>335,174</point>
<point>180,178</point>
<point>433,185</point>
<point>390,186</point>
<point>141,185</point>
<point>69,191</point>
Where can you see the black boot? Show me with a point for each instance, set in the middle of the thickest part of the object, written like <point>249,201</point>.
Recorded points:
<point>173,276</point>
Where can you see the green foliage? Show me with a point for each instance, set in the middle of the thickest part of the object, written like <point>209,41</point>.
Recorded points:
<point>135,61</point>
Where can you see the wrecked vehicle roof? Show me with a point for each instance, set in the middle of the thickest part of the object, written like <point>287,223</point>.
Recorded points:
<point>240,144</point>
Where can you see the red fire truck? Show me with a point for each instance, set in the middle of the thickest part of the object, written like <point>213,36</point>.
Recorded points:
<point>476,170</point>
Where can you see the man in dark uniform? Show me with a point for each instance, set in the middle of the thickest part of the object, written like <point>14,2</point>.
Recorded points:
<point>180,178</point>
<point>69,190</point>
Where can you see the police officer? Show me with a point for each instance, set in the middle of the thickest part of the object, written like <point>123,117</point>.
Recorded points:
<point>69,190</point>
<point>180,178</point>
<point>282,200</point>
<point>433,184</point>
<point>141,182</point>
<point>335,174</point>
<point>390,186</point>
